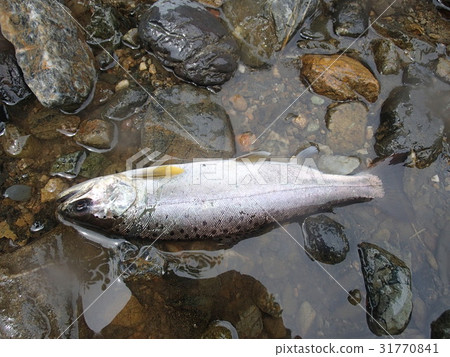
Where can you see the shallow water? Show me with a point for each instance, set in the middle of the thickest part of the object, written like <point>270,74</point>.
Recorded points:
<point>312,296</point>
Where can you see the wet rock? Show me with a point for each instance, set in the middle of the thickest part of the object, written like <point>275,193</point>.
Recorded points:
<point>59,75</point>
<point>346,123</point>
<point>188,38</point>
<point>220,330</point>
<point>125,103</point>
<point>18,192</point>
<point>388,288</point>
<point>15,144</point>
<point>306,317</point>
<point>131,38</point>
<point>416,74</point>
<point>339,77</point>
<point>440,328</point>
<point>104,27</point>
<point>6,232</point>
<point>386,56</point>
<point>69,165</point>
<point>249,324</point>
<point>195,127</point>
<point>351,17</point>
<point>96,134</point>
<point>51,124</point>
<point>52,189</point>
<point>13,88</point>
<point>324,239</point>
<point>354,296</point>
<point>245,141</point>
<point>412,120</point>
<point>337,164</point>
<point>93,165</point>
<point>262,27</point>
<point>443,69</point>
<point>238,102</point>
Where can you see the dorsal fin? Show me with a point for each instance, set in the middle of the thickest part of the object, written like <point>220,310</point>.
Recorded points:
<point>164,171</point>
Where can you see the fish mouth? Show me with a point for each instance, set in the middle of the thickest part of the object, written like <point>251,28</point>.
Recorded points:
<point>74,191</point>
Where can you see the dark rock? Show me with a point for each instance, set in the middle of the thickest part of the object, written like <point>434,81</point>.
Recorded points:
<point>351,17</point>
<point>13,88</point>
<point>93,165</point>
<point>97,134</point>
<point>195,127</point>
<point>339,77</point>
<point>440,328</point>
<point>354,296</point>
<point>18,192</point>
<point>50,124</point>
<point>388,288</point>
<point>57,64</point>
<point>262,27</point>
<point>346,123</point>
<point>386,56</point>
<point>125,103</point>
<point>220,330</point>
<point>416,74</point>
<point>104,27</point>
<point>412,120</point>
<point>188,38</point>
<point>325,239</point>
<point>68,165</point>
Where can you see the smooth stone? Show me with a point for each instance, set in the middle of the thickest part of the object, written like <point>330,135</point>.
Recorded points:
<point>51,124</point>
<point>69,165</point>
<point>403,128</point>
<point>262,27</point>
<point>125,103</point>
<point>306,317</point>
<point>351,17</point>
<point>18,192</point>
<point>15,144</point>
<point>386,56</point>
<point>440,328</point>
<point>196,127</point>
<point>52,189</point>
<point>97,134</point>
<point>59,76</point>
<point>354,296</point>
<point>324,239</point>
<point>185,36</point>
<point>337,164</point>
<point>346,123</point>
<point>220,330</point>
<point>104,27</point>
<point>13,88</point>
<point>339,77</point>
<point>388,289</point>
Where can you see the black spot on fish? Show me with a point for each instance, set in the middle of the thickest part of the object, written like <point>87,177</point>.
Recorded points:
<point>155,235</point>
<point>186,236</point>
<point>225,231</point>
<point>195,229</point>
<point>238,227</point>
<point>172,233</point>
<point>241,218</point>
<point>213,231</point>
<point>181,230</point>
<point>204,223</point>
<point>197,236</point>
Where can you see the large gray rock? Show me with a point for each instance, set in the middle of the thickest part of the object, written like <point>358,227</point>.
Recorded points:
<point>388,284</point>
<point>192,127</point>
<point>56,62</point>
<point>188,38</point>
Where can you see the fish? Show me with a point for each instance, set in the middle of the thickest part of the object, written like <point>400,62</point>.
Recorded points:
<point>210,199</point>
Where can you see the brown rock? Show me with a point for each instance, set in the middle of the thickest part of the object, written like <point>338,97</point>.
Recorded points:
<point>245,141</point>
<point>52,189</point>
<point>6,232</point>
<point>239,103</point>
<point>96,133</point>
<point>51,124</point>
<point>339,77</point>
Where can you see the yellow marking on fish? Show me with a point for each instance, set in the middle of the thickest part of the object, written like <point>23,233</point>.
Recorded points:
<point>164,171</point>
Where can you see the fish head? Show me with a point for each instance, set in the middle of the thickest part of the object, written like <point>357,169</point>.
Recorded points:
<point>98,203</point>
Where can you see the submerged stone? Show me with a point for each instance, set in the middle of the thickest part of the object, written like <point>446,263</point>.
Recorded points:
<point>351,17</point>
<point>339,77</point>
<point>125,103</point>
<point>51,124</point>
<point>16,144</point>
<point>325,240</point>
<point>56,62</point>
<point>440,328</point>
<point>13,88</point>
<point>104,27</point>
<point>388,285</point>
<point>188,38</point>
<point>69,165</point>
<point>412,120</point>
<point>386,56</point>
<point>220,330</point>
<point>262,27</point>
<point>96,134</point>
<point>18,192</point>
<point>193,126</point>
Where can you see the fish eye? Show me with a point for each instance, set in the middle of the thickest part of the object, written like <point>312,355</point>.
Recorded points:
<point>81,206</point>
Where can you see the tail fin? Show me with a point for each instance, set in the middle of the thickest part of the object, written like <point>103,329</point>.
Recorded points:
<point>395,202</point>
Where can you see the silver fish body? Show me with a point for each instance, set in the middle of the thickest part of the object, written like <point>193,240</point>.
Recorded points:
<point>209,200</point>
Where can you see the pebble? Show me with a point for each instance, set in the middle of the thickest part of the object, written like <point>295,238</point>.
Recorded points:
<point>245,141</point>
<point>122,85</point>
<point>317,100</point>
<point>52,189</point>
<point>15,144</point>
<point>354,296</point>
<point>97,134</point>
<point>18,192</point>
<point>239,103</point>
<point>68,166</point>
<point>306,317</point>
<point>338,164</point>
